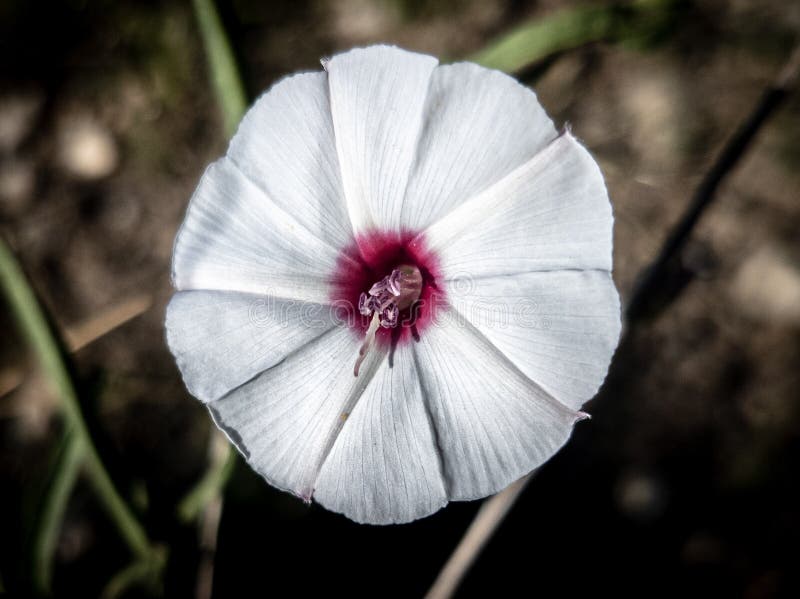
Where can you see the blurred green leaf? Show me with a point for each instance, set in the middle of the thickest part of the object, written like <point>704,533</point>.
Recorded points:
<point>640,23</point>
<point>224,72</point>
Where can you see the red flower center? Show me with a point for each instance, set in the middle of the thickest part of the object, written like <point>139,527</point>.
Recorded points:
<point>373,257</point>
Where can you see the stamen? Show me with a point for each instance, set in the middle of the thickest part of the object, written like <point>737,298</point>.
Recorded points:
<point>370,337</point>
<point>364,303</point>
<point>384,301</point>
<point>389,316</point>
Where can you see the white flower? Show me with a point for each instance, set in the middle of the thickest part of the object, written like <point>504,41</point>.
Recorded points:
<point>426,225</point>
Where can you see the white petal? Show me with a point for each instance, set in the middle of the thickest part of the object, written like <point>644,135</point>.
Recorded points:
<point>479,126</point>
<point>235,238</point>
<point>384,467</point>
<point>493,425</point>
<point>285,146</point>
<point>377,100</point>
<point>222,339</point>
<point>551,213</point>
<point>559,328</point>
<point>285,420</point>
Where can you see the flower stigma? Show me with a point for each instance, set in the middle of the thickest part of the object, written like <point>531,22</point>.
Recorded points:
<point>384,301</point>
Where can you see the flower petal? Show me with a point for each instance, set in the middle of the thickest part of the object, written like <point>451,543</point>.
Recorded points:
<point>559,328</point>
<point>377,100</point>
<point>285,146</point>
<point>479,126</point>
<point>551,213</point>
<point>384,467</point>
<point>236,238</point>
<point>286,420</point>
<point>493,425</point>
<point>222,339</point>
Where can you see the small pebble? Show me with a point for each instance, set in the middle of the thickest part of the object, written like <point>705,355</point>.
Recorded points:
<point>17,116</point>
<point>17,182</point>
<point>767,286</point>
<point>87,150</point>
<point>641,496</point>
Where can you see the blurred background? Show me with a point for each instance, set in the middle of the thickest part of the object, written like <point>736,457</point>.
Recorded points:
<point>684,481</point>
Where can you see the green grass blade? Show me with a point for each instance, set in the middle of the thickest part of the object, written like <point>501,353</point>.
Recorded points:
<point>46,347</point>
<point>59,489</point>
<point>637,21</point>
<point>225,75</point>
<point>213,481</point>
<point>145,574</point>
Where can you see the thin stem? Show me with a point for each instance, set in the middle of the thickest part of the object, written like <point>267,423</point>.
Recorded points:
<point>209,533</point>
<point>489,517</point>
<point>44,343</point>
<point>653,276</point>
<point>221,453</point>
<point>225,75</point>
